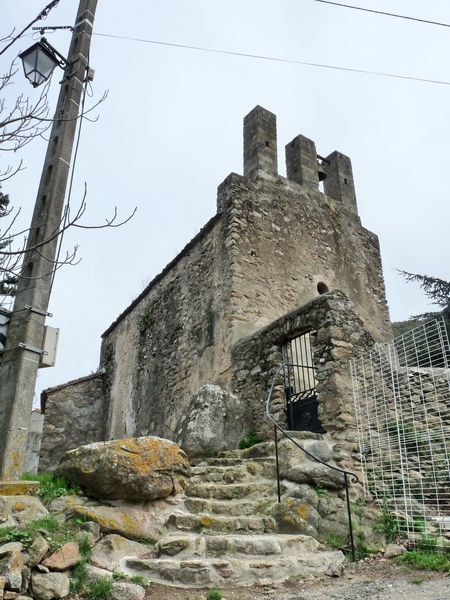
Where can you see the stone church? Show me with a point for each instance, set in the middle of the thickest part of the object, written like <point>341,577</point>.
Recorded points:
<point>283,272</point>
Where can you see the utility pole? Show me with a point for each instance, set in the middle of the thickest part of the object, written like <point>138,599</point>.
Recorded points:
<point>20,359</point>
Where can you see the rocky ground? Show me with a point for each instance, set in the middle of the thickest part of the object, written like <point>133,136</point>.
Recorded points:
<point>372,579</point>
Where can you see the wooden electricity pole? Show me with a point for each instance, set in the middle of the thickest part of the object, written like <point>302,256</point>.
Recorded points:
<point>20,360</point>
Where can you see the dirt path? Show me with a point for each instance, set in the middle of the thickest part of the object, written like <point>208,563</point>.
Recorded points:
<point>371,580</point>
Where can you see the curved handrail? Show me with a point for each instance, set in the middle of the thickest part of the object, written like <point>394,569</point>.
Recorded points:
<point>278,427</point>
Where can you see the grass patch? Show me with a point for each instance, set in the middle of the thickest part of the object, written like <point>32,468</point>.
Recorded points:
<point>138,580</point>
<point>131,578</point>
<point>251,439</point>
<point>55,533</point>
<point>335,541</point>
<point>26,535</point>
<point>51,486</point>
<point>78,577</point>
<point>426,560</point>
<point>214,595</point>
<point>100,589</point>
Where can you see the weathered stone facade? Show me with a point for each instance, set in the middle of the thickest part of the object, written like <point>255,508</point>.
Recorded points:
<point>337,334</point>
<point>74,415</point>
<point>275,244</point>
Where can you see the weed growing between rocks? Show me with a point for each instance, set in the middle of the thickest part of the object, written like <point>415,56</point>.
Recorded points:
<point>251,439</point>
<point>335,541</point>
<point>52,487</point>
<point>214,595</point>
<point>142,581</point>
<point>99,589</point>
<point>26,535</point>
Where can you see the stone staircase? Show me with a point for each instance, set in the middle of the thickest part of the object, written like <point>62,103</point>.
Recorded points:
<point>224,534</point>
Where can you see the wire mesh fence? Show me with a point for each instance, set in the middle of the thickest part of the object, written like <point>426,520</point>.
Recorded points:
<point>402,401</point>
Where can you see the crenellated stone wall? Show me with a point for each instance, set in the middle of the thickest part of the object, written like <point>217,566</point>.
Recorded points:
<point>274,245</point>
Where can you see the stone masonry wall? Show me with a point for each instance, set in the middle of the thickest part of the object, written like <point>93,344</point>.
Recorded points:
<point>337,334</point>
<point>274,245</point>
<point>284,240</point>
<point>171,342</point>
<point>74,415</point>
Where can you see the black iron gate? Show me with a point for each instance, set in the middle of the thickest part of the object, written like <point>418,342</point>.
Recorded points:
<point>300,386</point>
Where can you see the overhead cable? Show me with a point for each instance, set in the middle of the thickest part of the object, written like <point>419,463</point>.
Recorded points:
<point>386,14</point>
<point>42,15</point>
<point>275,59</point>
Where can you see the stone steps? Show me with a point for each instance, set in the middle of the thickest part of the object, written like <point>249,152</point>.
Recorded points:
<point>227,507</point>
<point>226,571</point>
<point>232,474</point>
<point>237,545</point>
<point>230,491</point>
<point>225,534</point>
<point>210,523</point>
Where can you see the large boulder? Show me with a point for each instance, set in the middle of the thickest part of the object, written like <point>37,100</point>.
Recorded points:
<point>297,466</point>
<point>214,421</point>
<point>136,469</point>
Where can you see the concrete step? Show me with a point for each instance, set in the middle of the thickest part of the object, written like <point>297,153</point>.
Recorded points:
<point>230,491</point>
<point>225,571</point>
<point>232,508</point>
<point>208,523</point>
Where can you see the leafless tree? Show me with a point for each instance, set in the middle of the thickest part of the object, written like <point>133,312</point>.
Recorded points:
<point>21,122</point>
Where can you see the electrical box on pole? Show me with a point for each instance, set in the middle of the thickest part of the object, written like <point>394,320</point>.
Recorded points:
<point>49,347</point>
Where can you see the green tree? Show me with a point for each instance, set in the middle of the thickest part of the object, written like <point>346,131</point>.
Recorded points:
<point>437,290</point>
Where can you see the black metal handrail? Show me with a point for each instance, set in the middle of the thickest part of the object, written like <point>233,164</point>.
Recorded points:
<point>278,427</point>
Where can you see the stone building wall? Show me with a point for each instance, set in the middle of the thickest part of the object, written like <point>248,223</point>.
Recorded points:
<point>337,334</point>
<point>274,245</point>
<point>171,341</point>
<point>74,415</point>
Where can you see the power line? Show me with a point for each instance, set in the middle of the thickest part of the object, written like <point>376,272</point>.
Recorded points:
<point>42,15</point>
<point>275,59</point>
<point>381,12</point>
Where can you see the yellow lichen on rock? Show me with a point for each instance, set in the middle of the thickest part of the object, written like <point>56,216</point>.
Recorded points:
<point>145,468</point>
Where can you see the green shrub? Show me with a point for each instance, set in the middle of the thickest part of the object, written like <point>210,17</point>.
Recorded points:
<point>424,559</point>
<point>251,439</point>
<point>51,486</point>
<point>214,595</point>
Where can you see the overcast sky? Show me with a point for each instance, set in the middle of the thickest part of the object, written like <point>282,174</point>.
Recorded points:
<point>171,131</point>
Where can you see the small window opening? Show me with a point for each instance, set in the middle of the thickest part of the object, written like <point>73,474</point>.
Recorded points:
<point>322,288</point>
<point>55,143</point>
<point>43,202</point>
<point>267,144</point>
<point>345,180</point>
<point>48,175</point>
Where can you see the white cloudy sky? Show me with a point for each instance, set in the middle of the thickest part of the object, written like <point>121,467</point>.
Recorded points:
<point>171,131</point>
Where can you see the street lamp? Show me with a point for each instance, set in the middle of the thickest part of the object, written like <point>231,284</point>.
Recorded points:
<point>39,62</point>
<point>21,357</point>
